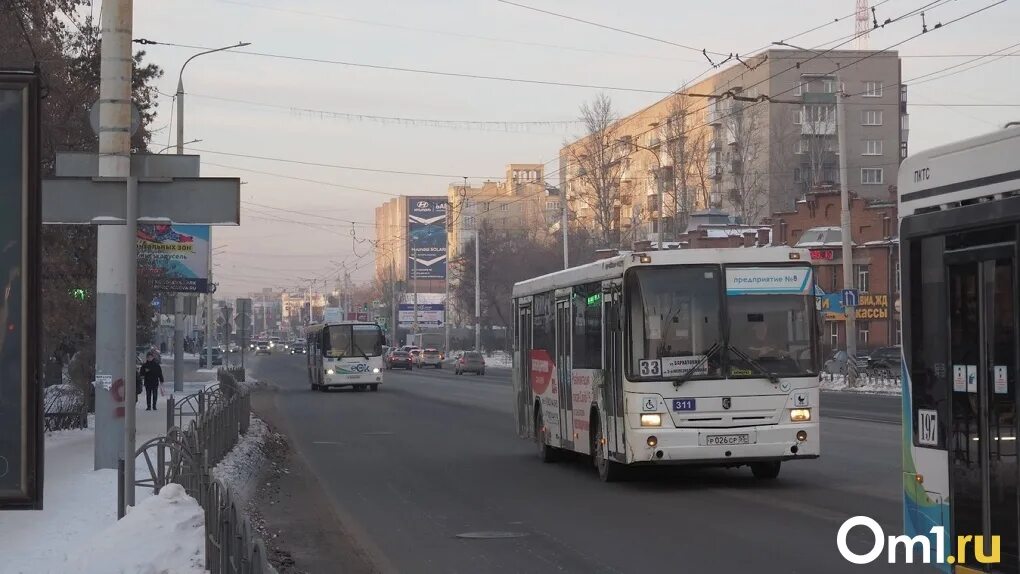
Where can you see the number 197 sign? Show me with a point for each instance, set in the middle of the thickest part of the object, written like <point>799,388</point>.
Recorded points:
<point>21,449</point>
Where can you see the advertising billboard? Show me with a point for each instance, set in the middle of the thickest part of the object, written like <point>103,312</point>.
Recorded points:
<point>426,238</point>
<point>176,255</point>
<point>21,454</point>
<point>431,310</point>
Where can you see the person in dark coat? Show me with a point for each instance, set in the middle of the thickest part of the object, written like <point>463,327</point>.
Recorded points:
<point>152,377</point>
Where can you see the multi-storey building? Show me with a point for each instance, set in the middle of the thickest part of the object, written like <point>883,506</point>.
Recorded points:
<point>749,140</point>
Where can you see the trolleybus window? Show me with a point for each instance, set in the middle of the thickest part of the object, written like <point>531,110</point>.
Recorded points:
<point>674,321</point>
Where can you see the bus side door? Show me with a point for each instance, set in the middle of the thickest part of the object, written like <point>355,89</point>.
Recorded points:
<point>524,399</point>
<point>563,371</point>
<point>611,391</point>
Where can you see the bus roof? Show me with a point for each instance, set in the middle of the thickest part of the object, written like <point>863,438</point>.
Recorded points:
<point>977,167</point>
<point>614,266</point>
<point>319,326</point>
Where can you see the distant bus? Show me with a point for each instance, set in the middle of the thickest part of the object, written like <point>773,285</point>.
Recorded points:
<point>671,357</point>
<point>959,209</point>
<point>345,354</point>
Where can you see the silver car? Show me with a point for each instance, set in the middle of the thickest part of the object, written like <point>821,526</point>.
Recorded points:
<point>470,362</point>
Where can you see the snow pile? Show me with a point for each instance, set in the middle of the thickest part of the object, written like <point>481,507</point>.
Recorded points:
<point>240,468</point>
<point>864,384</point>
<point>65,398</point>
<point>499,359</point>
<point>169,535</point>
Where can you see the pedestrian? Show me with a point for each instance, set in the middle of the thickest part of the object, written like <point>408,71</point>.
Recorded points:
<point>152,377</point>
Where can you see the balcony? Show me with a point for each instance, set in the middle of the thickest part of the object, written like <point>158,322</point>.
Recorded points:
<point>818,128</point>
<point>714,113</point>
<point>714,170</point>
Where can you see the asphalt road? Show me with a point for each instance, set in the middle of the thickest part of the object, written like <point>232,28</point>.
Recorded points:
<point>432,456</point>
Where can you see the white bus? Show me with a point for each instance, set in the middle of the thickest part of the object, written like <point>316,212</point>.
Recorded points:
<point>959,208</point>
<point>345,354</point>
<point>701,356</point>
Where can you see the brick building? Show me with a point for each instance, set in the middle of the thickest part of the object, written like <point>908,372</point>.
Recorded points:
<point>814,225</point>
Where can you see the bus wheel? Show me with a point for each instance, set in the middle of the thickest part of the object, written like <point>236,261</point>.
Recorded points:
<point>765,470</point>
<point>375,388</point>
<point>609,471</point>
<point>546,453</point>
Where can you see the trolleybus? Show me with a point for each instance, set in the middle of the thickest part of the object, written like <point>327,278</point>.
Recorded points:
<point>959,211</point>
<point>345,354</point>
<point>701,356</point>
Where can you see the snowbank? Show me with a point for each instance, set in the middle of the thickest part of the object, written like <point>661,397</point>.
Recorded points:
<point>240,468</point>
<point>499,359</point>
<point>865,384</point>
<point>169,534</point>
<point>64,398</point>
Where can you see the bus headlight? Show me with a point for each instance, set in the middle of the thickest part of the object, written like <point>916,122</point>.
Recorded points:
<point>375,370</point>
<point>329,371</point>
<point>651,420</point>
<point>800,415</point>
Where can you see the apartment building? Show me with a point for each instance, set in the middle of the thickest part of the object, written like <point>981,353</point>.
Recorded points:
<point>522,201</point>
<point>749,140</point>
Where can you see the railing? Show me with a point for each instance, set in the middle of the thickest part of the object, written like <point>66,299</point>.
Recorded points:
<point>65,407</point>
<point>186,457</point>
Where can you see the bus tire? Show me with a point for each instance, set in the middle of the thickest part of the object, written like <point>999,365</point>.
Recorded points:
<point>609,471</point>
<point>546,453</point>
<point>766,470</point>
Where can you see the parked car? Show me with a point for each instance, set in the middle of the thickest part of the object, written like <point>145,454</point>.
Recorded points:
<point>263,348</point>
<point>837,362</point>
<point>217,357</point>
<point>399,360</point>
<point>470,362</point>
<point>885,359</point>
<point>430,358</point>
<point>298,349</point>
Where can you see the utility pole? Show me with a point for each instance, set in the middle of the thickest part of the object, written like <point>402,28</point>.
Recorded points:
<point>394,328</point>
<point>478,305</point>
<point>414,258</point>
<point>563,225</point>
<point>446,302</point>
<point>115,379</point>
<point>846,232</point>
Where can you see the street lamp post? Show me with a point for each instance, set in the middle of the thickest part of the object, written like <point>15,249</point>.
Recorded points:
<point>179,96</point>
<point>660,178</point>
<point>844,216</point>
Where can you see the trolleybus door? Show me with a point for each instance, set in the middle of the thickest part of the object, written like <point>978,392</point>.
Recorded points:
<point>563,371</point>
<point>982,310</point>
<point>612,385</point>
<point>524,404</point>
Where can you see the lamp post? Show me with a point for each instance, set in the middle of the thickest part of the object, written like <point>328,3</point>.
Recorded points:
<point>660,178</point>
<point>179,96</point>
<point>844,216</point>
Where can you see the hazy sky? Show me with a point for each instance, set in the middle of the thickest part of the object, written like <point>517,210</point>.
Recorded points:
<point>306,231</point>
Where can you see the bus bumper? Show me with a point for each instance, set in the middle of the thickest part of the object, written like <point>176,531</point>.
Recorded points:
<point>331,382</point>
<point>723,445</point>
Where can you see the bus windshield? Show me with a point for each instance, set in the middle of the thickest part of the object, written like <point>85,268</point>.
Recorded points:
<point>341,341</point>
<point>673,321</point>
<point>770,312</point>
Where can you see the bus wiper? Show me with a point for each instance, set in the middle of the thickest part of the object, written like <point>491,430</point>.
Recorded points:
<point>772,377</point>
<point>358,349</point>
<point>683,378</point>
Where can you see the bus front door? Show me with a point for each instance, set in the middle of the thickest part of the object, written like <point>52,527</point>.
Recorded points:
<point>523,397</point>
<point>982,310</point>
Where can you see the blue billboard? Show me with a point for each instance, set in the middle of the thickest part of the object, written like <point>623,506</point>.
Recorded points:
<point>426,237</point>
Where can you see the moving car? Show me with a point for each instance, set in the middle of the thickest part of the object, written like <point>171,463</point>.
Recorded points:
<point>297,349</point>
<point>470,361</point>
<point>217,357</point>
<point>398,359</point>
<point>415,353</point>
<point>430,358</point>
<point>263,348</point>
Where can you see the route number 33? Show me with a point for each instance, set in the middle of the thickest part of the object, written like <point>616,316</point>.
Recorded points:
<point>650,367</point>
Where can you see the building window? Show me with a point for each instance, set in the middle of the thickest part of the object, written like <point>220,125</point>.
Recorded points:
<point>469,222</point>
<point>552,205</point>
<point>798,116</point>
<point>873,89</point>
<point>863,275</point>
<point>863,333</point>
<point>802,146</point>
<point>872,175</point>
<point>504,207</point>
<point>872,147</point>
<point>829,86</point>
<point>897,276</point>
<point>832,145</point>
<point>871,117</point>
<point>834,334</point>
<point>799,89</point>
<point>798,175</point>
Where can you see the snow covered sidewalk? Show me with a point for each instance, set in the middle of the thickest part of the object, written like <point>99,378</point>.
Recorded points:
<point>79,502</point>
<point>865,384</point>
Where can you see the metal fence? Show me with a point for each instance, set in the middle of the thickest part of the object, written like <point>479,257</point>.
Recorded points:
<point>186,457</point>
<point>65,407</point>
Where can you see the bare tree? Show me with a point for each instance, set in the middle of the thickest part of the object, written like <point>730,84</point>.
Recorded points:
<point>818,144</point>
<point>686,149</point>
<point>596,161</point>
<point>785,154</point>
<point>747,176</point>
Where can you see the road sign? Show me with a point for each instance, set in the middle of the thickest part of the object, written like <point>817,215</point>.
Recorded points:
<point>851,297</point>
<point>21,428</point>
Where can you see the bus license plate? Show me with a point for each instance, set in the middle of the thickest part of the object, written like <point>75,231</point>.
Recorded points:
<point>727,439</point>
